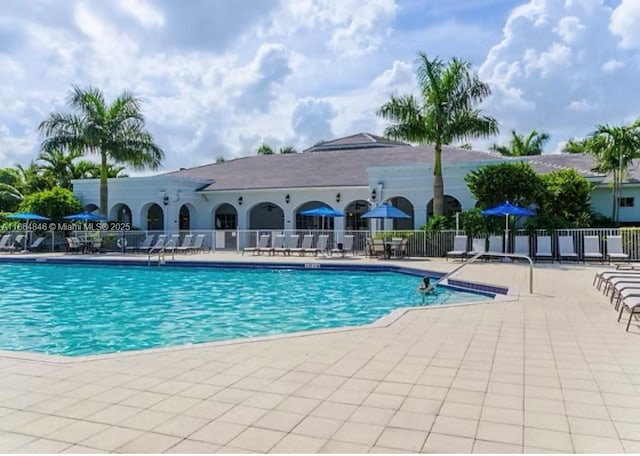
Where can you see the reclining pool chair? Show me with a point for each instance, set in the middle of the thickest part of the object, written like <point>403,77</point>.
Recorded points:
<point>566,250</point>
<point>592,249</point>
<point>614,249</point>
<point>543,248</point>
<point>347,246</point>
<point>263,245</point>
<point>459,247</point>
<point>145,246</point>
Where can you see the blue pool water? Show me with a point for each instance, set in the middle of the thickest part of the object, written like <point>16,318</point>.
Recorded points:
<point>91,309</point>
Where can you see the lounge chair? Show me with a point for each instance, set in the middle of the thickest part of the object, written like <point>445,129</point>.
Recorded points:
<point>320,247</point>
<point>159,244</point>
<point>377,248</point>
<point>145,246</point>
<point>307,243</point>
<point>592,249</point>
<point>347,246</point>
<point>601,278</point>
<point>566,249</point>
<point>279,244</point>
<point>459,247</point>
<point>632,304</point>
<point>495,244</point>
<point>198,244</point>
<point>292,244</point>
<point>478,245</point>
<point>15,244</point>
<point>521,245</point>
<point>186,245</point>
<point>614,249</point>
<point>543,248</point>
<point>172,244</point>
<point>35,245</point>
<point>263,245</point>
<point>4,241</point>
<point>74,245</point>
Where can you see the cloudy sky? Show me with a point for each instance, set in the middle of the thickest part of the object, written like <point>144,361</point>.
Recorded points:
<point>219,77</point>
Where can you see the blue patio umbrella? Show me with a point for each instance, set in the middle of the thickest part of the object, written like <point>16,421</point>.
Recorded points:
<point>507,209</point>
<point>322,211</point>
<point>84,217</point>
<point>385,211</point>
<point>28,216</point>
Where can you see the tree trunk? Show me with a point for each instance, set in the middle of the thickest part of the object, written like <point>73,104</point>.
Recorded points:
<point>438,182</point>
<point>104,190</point>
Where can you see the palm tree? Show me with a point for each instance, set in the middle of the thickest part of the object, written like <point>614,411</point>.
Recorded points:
<point>116,132</point>
<point>265,149</point>
<point>58,166</point>
<point>287,150</point>
<point>520,146</point>
<point>614,149</point>
<point>447,112</point>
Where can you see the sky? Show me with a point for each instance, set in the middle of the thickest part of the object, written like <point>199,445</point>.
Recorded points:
<point>220,77</point>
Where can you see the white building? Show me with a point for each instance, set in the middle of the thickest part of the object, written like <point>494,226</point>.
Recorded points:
<point>268,192</point>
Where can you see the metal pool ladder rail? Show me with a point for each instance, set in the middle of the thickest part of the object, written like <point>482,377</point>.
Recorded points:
<point>492,254</point>
<point>161,255</point>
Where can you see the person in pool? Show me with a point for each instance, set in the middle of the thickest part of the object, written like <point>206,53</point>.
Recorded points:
<point>426,287</point>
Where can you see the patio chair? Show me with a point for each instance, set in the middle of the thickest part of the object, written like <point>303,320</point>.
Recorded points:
<point>172,244</point>
<point>198,244</point>
<point>566,250</point>
<point>93,245</point>
<point>459,247</point>
<point>478,245</point>
<point>292,244</point>
<point>347,246</point>
<point>4,241</point>
<point>159,244</point>
<point>592,249</point>
<point>521,245</point>
<point>146,244</point>
<point>632,304</point>
<point>74,245</point>
<point>376,248</point>
<point>321,245</point>
<point>15,244</point>
<point>543,248</point>
<point>279,245</point>
<point>307,243</point>
<point>186,245</point>
<point>263,245</point>
<point>495,244</point>
<point>614,249</point>
<point>35,245</point>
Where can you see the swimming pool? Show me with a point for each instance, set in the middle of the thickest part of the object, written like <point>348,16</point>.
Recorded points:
<point>87,309</point>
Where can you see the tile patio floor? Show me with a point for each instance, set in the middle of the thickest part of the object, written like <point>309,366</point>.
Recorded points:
<point>548,372</point>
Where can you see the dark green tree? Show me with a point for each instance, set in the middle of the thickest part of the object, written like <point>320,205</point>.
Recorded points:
<point>446,112</point>
<point>516,182</point>
<point>265,149</point>
<point>287,150</point>
<point>532,144</point>
<point>566,195</point>
<point>115,132</point>
<point>54,203</point>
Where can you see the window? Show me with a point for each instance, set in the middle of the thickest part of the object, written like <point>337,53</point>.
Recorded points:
<point>626,202</point>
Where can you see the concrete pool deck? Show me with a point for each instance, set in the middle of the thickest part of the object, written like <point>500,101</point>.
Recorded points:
<point>550,371</point>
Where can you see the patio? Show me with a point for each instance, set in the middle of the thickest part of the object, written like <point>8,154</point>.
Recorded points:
<point>549,372</point>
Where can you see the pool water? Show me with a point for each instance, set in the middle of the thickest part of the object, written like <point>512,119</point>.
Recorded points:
<point>92,309</point>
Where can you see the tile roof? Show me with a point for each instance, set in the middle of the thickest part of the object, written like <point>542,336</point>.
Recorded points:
<point>357,141</point>
<point>344,168</point>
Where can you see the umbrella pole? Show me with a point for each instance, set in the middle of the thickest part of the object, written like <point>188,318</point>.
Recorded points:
<point>506,233</point>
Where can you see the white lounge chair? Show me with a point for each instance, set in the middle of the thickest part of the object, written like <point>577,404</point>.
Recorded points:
<point>566,250</point>
<point>478,245</point>
<point>186,245</point>
<point>459,247</point>
<point>307,244</point>
<point>172,244</point>
<point>614,249</point>
<point>35,245</point>
<point>4,241</point>
<point>592,249</point>
<point>159,245</point>
<point>543,248</point>
<point>347,246</point>
<point>320,247</point>
<point>198,244</point>
<point>263,245</point>
<point>146,244</point>
<point>279,245</point>
<point>292,244</point>
<point>495,244</point>
<point>521,245</point>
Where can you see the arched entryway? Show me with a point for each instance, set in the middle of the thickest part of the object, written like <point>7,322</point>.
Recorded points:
<point>266,216</point>
<point>451,206</point>
<point>90,208</point>
<point>353,216</point>
<point>120,213</point>
<point>184,218</point>
<point>155,218</point>
<point>225,217</point>
<point>405,206</point>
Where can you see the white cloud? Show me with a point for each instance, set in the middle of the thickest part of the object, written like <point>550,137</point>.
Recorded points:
<point>143,12</point>
<point>625,23</point>
<point>612,65</point>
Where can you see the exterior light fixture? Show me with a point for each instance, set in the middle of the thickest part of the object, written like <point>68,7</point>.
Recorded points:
<point>374,194</point>
<point>165,199</point>
<point>240,200</point>
<point>338,197</point>
<point>287,198</point>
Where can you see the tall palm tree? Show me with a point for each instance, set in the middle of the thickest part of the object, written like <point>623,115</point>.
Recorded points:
<point>447,112</point>
<point>532,144</point>
<point>116,132</point>
<point>614,149</point>
<point>287,150</point>
<point>265,149</point>
<point>59,165</point>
